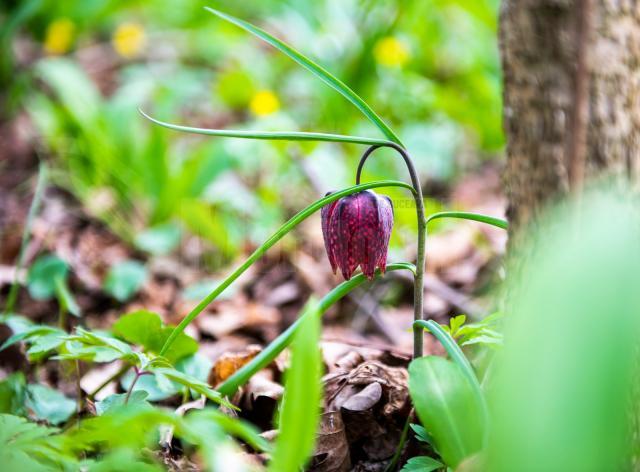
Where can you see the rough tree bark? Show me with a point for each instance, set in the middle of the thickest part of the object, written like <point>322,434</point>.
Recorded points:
<point>571,96</point>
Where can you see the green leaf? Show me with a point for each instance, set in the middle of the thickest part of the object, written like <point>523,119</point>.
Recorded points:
<point>490,220</point>
<point>43,274</point>
<point>195,365</point>
<point>27,446</point>
<point>132,426</point>
<point>455,324</point>
<point>233,426</point>
<point>120,460</point>
<point>422,464</point>
<point>65,298</point>
<point>146,329</point>
<point>161,239</point>
<point>48,404</point>
<point>216,448</point>
<point>421,434</point>
<point>299,416</point>
<point>455,353</point>
<point>96,347</point>
<point>13,394</point>
<point>448,407</point>
<point>31,334</point>
<point>118,399</point>
<point>125,279</point>
<point>194,384</point>
<point>317,70</point>
<point>271,135</point>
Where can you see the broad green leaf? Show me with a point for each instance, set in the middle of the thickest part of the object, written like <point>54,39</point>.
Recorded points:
<point>43,274</point>
<point>31,334</point>
<point>447,406</point>
<point>217,449</point>
<point>161,239</point>
<point>456,355</point>
<point>299,416</point>
<point>315,69</point>
<point>146,329</point>
<point>48,404</point>
<point>564,392</point>
<point>120,460</point>
<point>96,347</point>
<point>233,426</point>
<point>13,394</point>
<point>27,446</point>
<point>422,464</point>
<point>125,279</point>
<point>118,399</point>
<point>130,426</point>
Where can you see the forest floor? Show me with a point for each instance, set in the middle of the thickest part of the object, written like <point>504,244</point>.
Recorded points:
<point>366,340</point>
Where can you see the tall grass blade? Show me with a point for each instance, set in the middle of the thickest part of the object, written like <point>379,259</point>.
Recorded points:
<point>300,413</point>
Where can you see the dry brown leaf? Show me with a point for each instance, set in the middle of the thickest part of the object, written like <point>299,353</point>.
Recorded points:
<point>332,449</point>
<point>229,363</point>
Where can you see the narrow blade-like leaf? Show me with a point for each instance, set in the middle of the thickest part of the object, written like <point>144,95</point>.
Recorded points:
<point>316,70</point>
<point>301,404</point>
<point>464,215</point>
<point>272,135</point>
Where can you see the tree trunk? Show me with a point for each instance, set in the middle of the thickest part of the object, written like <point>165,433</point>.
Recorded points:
<point>571,96</point>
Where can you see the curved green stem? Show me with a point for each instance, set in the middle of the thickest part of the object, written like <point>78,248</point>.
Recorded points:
<point>259,252</point>
<point>418,283</point>
<point>271,135</point>
<point>490,220</point>
<point>242,375</point>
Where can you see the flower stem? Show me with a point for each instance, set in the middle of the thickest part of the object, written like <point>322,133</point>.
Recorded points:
<point>113,378</point>
<point>139,373</point>
<point>418,284</point>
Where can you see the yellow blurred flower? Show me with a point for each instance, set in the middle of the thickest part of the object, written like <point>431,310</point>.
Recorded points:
<point>128,39</point>
<point>59,36</point>
<point>391,52</point>
<point>264,103</point>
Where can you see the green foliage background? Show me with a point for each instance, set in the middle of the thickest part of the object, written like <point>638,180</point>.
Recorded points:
<point>440,91</point>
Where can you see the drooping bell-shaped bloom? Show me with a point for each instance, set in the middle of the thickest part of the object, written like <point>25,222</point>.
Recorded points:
<point>356,231</point>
